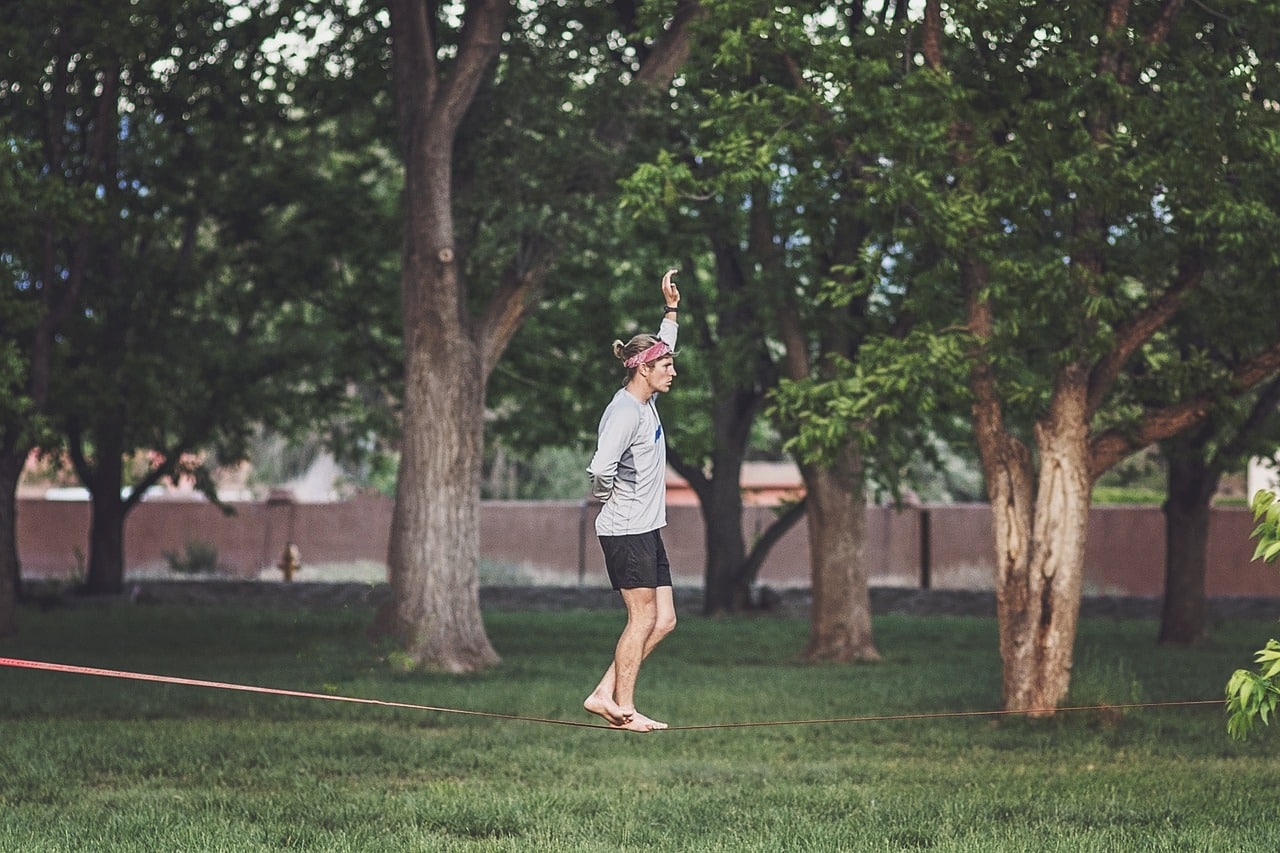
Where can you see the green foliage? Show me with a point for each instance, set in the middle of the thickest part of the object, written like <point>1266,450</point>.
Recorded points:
<point>1266,512</point>
<point>882,403</point>
<point>1144,471</point>
<point>1127,495</point>
<point>1140,479</point>
<point>561,115</point>
<point>782,174</point>
<point>549,473</point>
<point>1049,142</point>
<point>1252,696</point>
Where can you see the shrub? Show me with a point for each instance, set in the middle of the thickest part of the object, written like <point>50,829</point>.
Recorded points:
<point>200,558</point>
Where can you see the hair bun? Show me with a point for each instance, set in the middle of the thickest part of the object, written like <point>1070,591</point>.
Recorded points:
<point>618,346</point>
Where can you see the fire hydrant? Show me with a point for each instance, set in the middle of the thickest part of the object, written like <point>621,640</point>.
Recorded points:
<point>290,561</point>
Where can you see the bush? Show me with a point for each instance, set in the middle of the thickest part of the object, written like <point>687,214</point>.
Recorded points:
<point>200,558</point>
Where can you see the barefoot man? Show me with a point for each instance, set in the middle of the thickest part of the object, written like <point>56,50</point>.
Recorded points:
<point>628,474</point>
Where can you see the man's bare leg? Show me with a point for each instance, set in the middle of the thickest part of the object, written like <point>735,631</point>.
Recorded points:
<point>605,700</point>
<point>665,624</point>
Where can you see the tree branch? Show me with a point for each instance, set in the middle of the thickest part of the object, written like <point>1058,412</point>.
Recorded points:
<point>1139,330</point>
<point>417,72</point>
<point>931,35</point>
<point>1109,447</point>
<point>672,48</point>
<point>139,489</point>
<point>1164,24</point>
<point>772,535</point>
<point>692,474</point>
<point>1264,410</point>
<point>481,40</point>
<point>657,69</point>
<point>414,64</point>
<point>507,309</point>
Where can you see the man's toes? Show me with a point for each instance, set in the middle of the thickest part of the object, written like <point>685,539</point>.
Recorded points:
<point>640,723</point>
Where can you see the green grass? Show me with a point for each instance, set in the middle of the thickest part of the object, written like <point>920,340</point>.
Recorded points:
<point>99,764</point>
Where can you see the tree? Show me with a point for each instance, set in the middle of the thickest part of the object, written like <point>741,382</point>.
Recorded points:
<point>782,175</point>
<point>1064,171</point>
<point>20,419</point>
<point>216,219</point>
<point>49,212</point>
<point>1196,460</point>
<point>456,324</point>
<point>733,324</point>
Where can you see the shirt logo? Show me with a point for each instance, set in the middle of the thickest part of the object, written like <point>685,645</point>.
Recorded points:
<point>657,434</point>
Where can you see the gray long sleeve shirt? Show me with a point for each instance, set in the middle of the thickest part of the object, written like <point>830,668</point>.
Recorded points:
<point>629,468</point>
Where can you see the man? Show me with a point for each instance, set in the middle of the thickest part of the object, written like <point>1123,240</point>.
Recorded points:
<point>628,474</point>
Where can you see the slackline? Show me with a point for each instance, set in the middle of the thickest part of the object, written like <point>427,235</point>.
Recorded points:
<point>70,669</point>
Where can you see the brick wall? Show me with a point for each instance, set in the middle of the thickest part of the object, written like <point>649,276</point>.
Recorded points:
<point>1125,550</point>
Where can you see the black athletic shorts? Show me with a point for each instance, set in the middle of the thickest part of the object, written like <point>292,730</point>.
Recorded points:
<point>637,560</point>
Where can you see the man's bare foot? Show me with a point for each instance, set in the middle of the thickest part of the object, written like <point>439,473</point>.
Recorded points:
<point>607,708</point>
<point>640,723</point>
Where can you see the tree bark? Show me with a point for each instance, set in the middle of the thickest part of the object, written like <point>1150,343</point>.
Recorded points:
<point>1039,534</point>
<point>726,590</point>
<point>61,277</point>
<point>435,531</point>
<point>738,394</point>
<point>840,624</point>
<point>835,495</point>
<point>1192,483</point>
<point>1195,463</point>
<point>104,478</point>
<point>435,546</point>
<point>1040,560</point>
<point>105,575</point>
<point>10,576</point>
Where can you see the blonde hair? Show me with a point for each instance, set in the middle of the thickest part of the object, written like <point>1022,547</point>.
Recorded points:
<point>635,346</point>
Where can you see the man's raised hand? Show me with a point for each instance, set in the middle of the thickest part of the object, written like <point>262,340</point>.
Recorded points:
<point>670,292</point>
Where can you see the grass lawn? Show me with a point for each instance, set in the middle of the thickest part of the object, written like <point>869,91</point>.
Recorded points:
<point>95,764</point>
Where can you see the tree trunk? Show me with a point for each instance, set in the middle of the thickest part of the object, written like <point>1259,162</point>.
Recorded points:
<point>1192,483</point>
<point>435,542</point>
<point>1040,553</point>
<point>434,551</point>
<point>10,569</point>
<point>725,592</point>
<point>105,575</point>
<point>840,623</point>
<point>104,477</point>
<point>738,395</point>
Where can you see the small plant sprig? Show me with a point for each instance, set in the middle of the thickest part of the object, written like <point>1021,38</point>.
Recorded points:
<point>1266,511</point>
<point>1253,696</point>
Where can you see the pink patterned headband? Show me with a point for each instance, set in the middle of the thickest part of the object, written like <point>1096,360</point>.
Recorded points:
<point>653,353</point>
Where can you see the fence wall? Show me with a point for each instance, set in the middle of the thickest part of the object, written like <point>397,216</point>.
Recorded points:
<point>1125,548</point>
